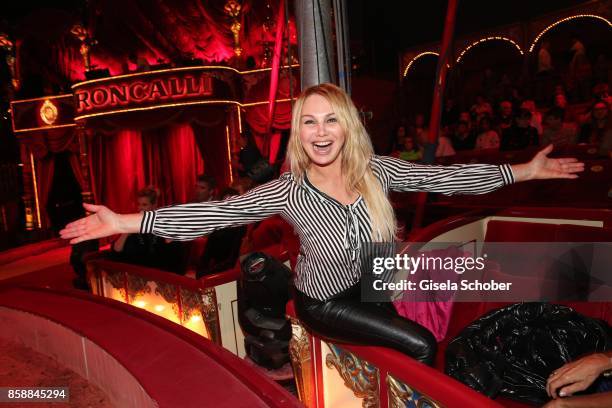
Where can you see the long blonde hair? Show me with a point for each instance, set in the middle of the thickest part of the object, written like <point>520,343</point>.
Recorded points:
<point>357,153</point>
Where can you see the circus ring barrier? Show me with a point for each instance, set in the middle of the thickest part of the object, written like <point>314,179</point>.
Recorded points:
<point>330,374</point>
<point>137,359</point>
<point>207,307</point>
<point>344,375</point>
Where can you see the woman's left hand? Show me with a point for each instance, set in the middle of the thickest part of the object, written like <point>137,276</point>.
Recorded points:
<point>543,167</point>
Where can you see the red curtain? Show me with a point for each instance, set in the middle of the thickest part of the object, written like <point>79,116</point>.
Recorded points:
<point>117,169</point>
<point>172,162</point>
<point>166,158</point>
<point>212,143</point>
<point>185,162</point>
<point>44,171</point>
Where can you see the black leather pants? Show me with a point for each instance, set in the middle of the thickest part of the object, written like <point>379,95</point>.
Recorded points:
<point>345,318</point>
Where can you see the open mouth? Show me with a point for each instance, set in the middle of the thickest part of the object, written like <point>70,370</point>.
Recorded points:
<point>322,147</point>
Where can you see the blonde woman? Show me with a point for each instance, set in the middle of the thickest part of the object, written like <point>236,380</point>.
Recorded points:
<point>335,196</point>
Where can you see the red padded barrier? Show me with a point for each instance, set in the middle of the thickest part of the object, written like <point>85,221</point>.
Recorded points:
<point>514,231</point>
<point>176,367</point>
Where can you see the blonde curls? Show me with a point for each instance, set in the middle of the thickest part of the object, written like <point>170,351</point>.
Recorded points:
<point>357,153</point>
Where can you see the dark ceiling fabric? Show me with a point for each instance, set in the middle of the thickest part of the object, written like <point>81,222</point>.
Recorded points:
<point>129,32</point>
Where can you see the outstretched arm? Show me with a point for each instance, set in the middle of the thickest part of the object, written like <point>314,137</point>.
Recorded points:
<point>185,221</point>
<point>472,178</point>
<point>542,167</point>
<point>101,223</point>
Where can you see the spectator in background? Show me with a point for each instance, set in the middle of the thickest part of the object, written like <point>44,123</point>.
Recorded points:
<point>397,139</point>
<point>544,72</point>
<point>521,134</point>
<point>242,185</point>
<point>450,114</point>
<point>142,249</point>
<point>544,59</point>
<point>445,146</point>
<point>505,117</point>
<point>419,127</point>
<point>410,150</point>
<point>516,98</point>
<point>536,117</point>
<point>580,72</point>
<point>467,118</point>
<point>205,188</point>
<point>487,137</point>
<point>601,92</point>
<point>481,108</point>
<point>598,129</point>
<point>223,246</point>
<point>556,131</point>
<point>464,138</point>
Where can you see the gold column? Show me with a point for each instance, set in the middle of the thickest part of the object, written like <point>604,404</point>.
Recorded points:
<point>301,361</point>
<point>29,202</point>
<point>84,137</point>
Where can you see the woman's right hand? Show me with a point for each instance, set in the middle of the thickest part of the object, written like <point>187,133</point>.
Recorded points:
<point>101,223</point>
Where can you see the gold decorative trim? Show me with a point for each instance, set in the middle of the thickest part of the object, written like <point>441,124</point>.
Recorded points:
<point>43,128</point>
<point>301,361</point>
<point>170,105</point>
<point>205,302</point>
<point>40,98</point>
<point>401,395</point>
<point>180,69</point>
<point>136,286</point>
<point>169,293</point>
<point>116,280</point>
<point>359,375</point>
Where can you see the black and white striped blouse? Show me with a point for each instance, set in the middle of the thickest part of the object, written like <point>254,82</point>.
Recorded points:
<point>330,233</point>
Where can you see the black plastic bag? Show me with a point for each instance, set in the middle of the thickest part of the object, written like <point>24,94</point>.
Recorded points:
<point>512,351</point>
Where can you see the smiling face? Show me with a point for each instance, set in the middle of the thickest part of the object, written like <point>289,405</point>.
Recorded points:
<point>321,135</point>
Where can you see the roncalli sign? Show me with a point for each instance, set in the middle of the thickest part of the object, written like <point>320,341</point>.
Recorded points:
<point>140,92</point>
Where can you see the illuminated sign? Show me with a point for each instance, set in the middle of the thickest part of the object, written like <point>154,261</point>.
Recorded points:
<point>140,92</point>
<point>49,112</point>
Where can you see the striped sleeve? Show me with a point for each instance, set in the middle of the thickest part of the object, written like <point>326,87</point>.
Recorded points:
<point>401,175</point>
<point>189,221</point>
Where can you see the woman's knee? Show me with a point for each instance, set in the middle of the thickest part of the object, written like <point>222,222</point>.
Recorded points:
<point>426,349</point>
<point>419,343</point>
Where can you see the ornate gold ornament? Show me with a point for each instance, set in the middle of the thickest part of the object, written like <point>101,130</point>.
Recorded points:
<point>137,286</point>
<point>81,33</point>
<point>203,301</point>
<point>48,112</point>
<point>7,45</point>
<point>358,375</point>
<point>232,9</point>
<point>402,395</point>
<point>299,351</point>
